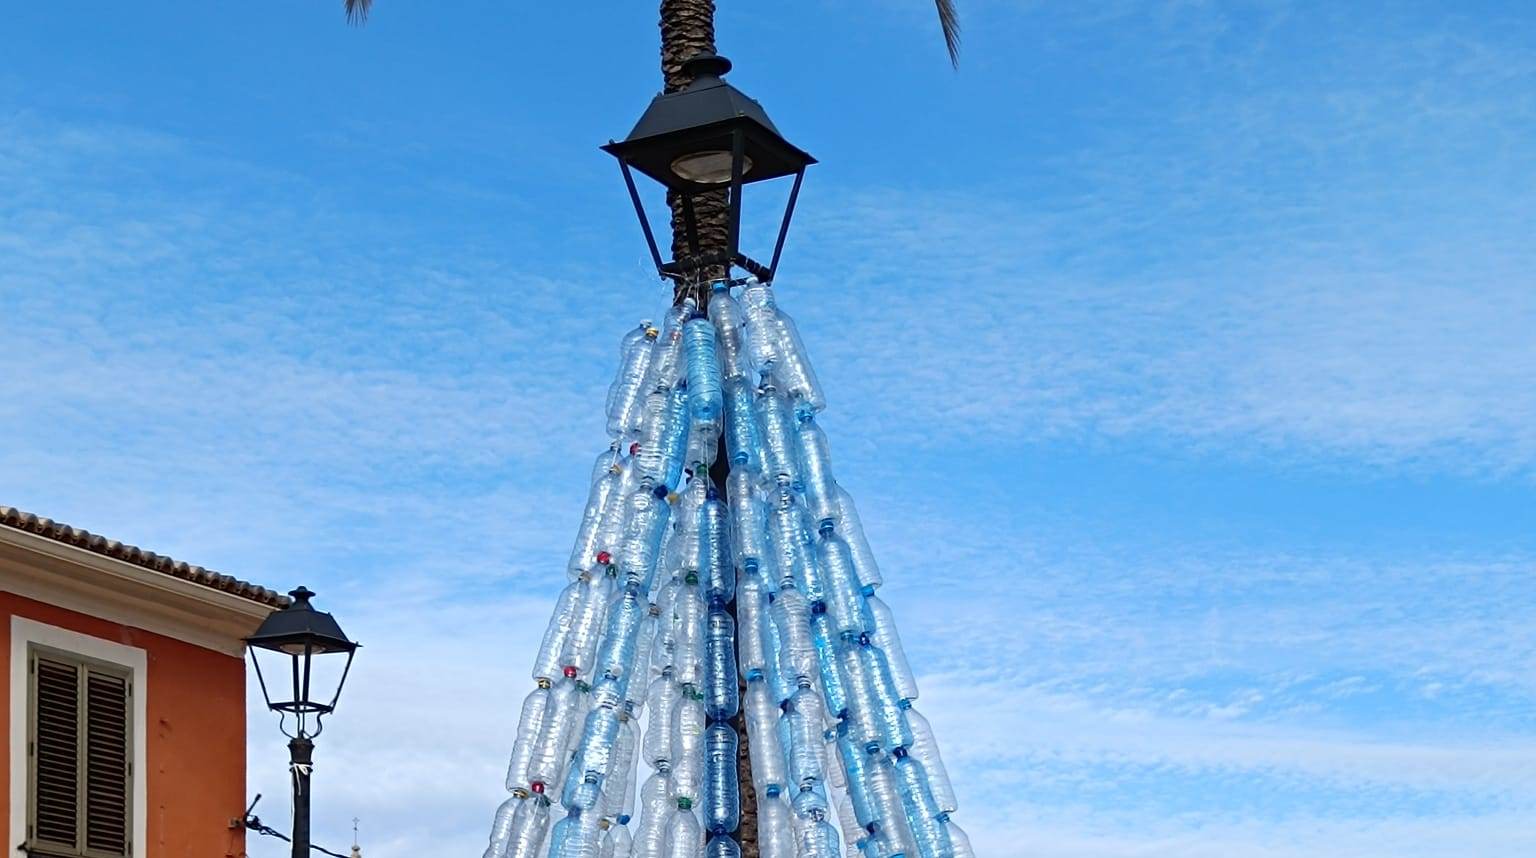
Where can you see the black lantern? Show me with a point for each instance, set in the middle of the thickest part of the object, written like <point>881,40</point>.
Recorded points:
<point>294,640</point>
<point>709,137</point>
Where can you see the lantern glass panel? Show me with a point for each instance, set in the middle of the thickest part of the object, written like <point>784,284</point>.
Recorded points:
<point>709,167</point>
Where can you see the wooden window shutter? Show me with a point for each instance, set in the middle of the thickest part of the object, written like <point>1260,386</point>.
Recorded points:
<point>56,754</point>
<point>106,792</point>
<point>81,765</point>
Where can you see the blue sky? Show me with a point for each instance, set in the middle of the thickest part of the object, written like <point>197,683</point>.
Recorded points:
<point>1180,355</point>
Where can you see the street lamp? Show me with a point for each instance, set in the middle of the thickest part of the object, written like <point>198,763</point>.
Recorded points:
<point>307,639</point>
<point>709,137</point>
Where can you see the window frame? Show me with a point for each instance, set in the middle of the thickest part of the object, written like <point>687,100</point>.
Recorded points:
<point>84,666</point>
<point>129,661</point>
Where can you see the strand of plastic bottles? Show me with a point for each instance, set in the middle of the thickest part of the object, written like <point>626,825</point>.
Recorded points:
<point>645,626</point>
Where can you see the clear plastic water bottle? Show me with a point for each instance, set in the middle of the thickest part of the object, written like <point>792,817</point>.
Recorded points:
<point>960,842</point>
<point>855,765</point>
<point>546,765</point>
<point>792,620</point>
<point>782,681</point>
<point>547,664</point>
<point>640,677</point>
<point>890,825</point>
<point>850,615</point>
<point>852,529</point>
<point>501,827</point>
<point>781,442</point>
<point>580,651</point>
<point>925,749</point>
<point>562,831</point>
<point>649,447</point>
<point>529,723</point>
<point>617,842</point>
<point>761,332</point>
<point>749,520</point>
<point>684,837</point>
<point>889,642</point>
<point>792,552</point>
<point>750,605</point>
<point>609,538</point>
<point>601,500</point>
<point>683,548</point>
<point>703,446</point>
<point>721,696</point>
<point>714,536</point>
<point>655,812</point>
<point>743,432</point>
<point>770,774</point>
<point>704,395</point>
<point>688,726</point>
<point>627,394</point>
<point>688,613</point>
<point>722,846</point>
<point>803,718</point>
<point>661,703</point>
<point>671,358</point>
<point>722,795</point>
<point>616,652</point>
<point>649,513</point>
<point>664,643</point>
<point>816,467</point>
<point>863,720</point>
<point>726,315</point>
<point>818,839</point>
<point>530,825</point>
<point>892,718</point>
<point>924,819</point>
<point>619,782</point>
<point>775,831</point>
<point>675,438</point>
<point>794,367</point>
<point>848,822</point>
<point>594,750</point>
<point>827,642</point>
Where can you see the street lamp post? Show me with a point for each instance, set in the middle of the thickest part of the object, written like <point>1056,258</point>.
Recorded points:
<point>706,138</point>
<point>300,634</point>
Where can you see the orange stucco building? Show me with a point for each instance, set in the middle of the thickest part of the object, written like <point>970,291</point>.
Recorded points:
<point>123,705</point>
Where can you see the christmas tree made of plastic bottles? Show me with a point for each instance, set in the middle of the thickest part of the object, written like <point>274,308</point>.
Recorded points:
<point>691,604</point>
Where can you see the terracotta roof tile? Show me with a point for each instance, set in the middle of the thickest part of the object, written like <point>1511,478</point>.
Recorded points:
<point>15,518</point>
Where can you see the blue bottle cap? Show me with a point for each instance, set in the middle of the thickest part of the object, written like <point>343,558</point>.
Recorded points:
<point>660,491</point>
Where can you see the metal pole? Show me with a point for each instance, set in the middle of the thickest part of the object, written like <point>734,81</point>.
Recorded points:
<point>301,755</point>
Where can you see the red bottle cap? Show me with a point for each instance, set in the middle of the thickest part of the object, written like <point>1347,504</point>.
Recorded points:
<point>537,787</point>
<point>570,671</point>
<point>604,557</point>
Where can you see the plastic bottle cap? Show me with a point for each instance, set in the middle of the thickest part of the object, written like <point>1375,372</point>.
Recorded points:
<point>537,787</point>
<point>659,491</point>
<point>543,682</point>
<point>634,447</point>
<point>570,671</point>
<point>604,558</point>
<point>684,803</point>
<point>899,753</point>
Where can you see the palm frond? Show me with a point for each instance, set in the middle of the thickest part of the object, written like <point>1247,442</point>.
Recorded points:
<point>949,20</point>
<point>357,11</point>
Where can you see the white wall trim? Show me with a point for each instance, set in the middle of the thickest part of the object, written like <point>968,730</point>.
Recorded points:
<point>46,570</point>
<point>25,632</point>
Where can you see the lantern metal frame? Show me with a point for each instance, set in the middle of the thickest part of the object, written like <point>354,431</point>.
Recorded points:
<point>709,116</point>
<point>300,632</point>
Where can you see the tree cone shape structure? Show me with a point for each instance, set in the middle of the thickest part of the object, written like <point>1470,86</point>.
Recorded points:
<point>720,617</point>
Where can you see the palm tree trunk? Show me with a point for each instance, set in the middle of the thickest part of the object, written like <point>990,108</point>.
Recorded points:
<point>688,28</point>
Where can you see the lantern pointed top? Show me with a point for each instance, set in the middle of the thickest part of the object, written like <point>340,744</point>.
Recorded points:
<point>703,115</point>
<point>299,625</point>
